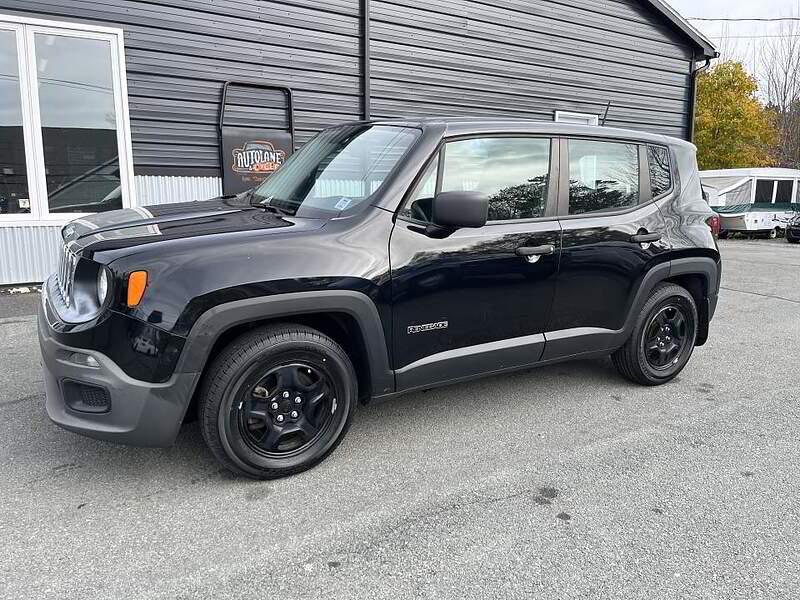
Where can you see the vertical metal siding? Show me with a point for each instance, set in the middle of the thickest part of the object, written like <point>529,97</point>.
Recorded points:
<point>28,254</point>
<point>159,189</point>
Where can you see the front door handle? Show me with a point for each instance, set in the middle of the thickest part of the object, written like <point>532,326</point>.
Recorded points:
<point>645,238</point>
<point>533,253</point>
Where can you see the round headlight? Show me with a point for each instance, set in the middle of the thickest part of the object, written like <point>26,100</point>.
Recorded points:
<point>102,285</point>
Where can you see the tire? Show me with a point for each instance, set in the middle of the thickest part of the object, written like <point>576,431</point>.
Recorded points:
<point>792,240</point>
<point>277,401</point>
<point>723,235</point>
<point>772,234</point>
<point>635,362</point>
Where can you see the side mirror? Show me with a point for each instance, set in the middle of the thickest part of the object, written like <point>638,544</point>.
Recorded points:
<point>460,209</point>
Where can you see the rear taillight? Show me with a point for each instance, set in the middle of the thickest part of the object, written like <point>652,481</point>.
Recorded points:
<point>713,224</point>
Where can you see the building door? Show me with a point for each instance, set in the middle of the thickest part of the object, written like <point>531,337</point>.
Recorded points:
<point>64,132</point>
<point>471,301</point>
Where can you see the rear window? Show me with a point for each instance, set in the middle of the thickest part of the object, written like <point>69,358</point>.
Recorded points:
<point>660,172</point>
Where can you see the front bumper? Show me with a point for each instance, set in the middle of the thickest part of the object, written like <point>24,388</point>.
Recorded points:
<point>141,413</point>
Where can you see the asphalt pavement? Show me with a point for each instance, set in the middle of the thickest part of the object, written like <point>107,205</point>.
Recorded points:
<point>561,482</point>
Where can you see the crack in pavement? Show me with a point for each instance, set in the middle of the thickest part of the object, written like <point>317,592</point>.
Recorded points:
<point>21,400</point>
<point>755,262</point>
<point>760,294</point>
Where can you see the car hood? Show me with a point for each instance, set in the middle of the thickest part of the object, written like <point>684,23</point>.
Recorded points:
<point>130,227</point>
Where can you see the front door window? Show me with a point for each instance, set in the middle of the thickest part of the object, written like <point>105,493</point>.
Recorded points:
<point>513,172</point>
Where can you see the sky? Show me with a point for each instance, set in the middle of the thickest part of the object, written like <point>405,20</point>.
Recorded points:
<point>733,39</point>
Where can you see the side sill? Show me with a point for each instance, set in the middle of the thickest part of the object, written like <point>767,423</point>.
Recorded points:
<point>566,344</point>
<point>463,364</point>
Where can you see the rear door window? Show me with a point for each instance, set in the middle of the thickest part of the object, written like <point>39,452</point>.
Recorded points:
<point>602,176</point>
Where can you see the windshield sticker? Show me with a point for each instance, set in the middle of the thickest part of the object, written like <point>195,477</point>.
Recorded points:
<point>343,203</point>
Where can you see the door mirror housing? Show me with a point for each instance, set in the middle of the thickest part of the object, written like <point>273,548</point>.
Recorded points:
<point>455,210</point>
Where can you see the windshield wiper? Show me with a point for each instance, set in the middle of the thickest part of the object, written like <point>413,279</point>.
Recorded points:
<point>278,210</point>
<point>267,205</point>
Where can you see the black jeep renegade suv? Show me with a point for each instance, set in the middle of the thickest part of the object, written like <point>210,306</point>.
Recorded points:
<point>383,257</point>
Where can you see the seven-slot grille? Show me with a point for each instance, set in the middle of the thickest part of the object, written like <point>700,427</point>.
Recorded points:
<point>66,273</point>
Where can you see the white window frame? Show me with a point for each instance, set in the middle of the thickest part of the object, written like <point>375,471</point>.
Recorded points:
<point>26,29</point>
<point>775,188</point>
<point>775,191</point>
<point>576,118</point>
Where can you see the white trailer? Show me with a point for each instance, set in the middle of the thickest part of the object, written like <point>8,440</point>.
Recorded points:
<point>753,201</point>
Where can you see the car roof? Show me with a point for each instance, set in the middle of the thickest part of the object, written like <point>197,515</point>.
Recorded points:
<point>456,126</point>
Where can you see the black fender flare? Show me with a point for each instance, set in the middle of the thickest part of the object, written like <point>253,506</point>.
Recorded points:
<point>704,266</point>
<point>215,321</point>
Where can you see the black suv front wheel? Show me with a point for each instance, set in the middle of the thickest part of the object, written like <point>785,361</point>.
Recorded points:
<point>277,401</point>
<point>663,338</point>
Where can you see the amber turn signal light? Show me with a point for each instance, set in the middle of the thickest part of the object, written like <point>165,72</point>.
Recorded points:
<point>137,282</point>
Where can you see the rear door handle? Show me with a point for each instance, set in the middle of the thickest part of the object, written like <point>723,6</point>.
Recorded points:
<point>533,253</point>
<point>645,238</point>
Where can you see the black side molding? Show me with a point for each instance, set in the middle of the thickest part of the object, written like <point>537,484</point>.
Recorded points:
<point>215,321</point>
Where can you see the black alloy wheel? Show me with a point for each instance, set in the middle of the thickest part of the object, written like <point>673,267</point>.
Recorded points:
<point>277,401</point>
<point>663,337</point>
<point>286,409</point>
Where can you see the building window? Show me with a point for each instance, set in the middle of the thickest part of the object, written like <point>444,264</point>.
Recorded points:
<point>64,128</point>
<point>574,118</point>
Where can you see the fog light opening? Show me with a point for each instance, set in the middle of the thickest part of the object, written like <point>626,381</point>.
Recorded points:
<point>84,360</point>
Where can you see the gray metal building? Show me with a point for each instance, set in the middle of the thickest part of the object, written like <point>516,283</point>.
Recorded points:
<point>116,102</point>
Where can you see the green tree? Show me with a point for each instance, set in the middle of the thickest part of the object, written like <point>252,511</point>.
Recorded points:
<point>733,128</point>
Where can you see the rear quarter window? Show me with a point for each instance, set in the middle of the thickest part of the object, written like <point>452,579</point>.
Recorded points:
<point>660,170</point>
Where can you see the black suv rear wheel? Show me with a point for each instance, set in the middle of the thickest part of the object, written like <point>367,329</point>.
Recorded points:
<point>663,338</point>
<point>277,401</point>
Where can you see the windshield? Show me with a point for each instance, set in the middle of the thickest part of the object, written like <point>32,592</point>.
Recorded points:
<point>336,171</point>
